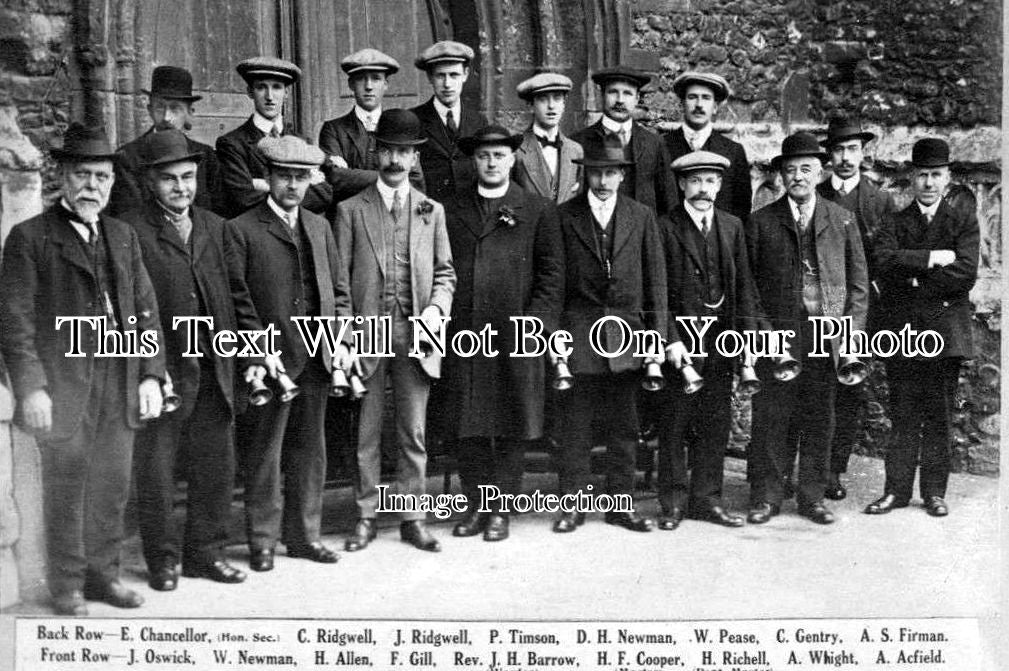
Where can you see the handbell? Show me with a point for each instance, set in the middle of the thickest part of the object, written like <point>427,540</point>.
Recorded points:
<point>357,388</point>
<point>259,393</point>
<point>172,401</point>
<point>749,383</point>
<point>852,372</point>
<point>653,380</point>
<point>787,368</point>
<point>339,386</point>
<point>692,380</point>
<point>563,380</point>
<point>288,389</point>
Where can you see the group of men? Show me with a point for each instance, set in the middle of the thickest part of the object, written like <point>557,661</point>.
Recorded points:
<point>437,222</point>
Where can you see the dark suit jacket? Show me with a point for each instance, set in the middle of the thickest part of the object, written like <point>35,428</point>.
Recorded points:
<point>345,136</point>
<point>532,173</point>
<point>241,162</point>
<point>47,274</point>
<point>649,180</point>
<point>685,274</point>
<point>264,270</point>
<point>776,261</point>
<point>502,271</point>
<point>635,289</point>
<point>873,205</point>
<point>446,169</point>
<point>736,195</point>
<point>130,192</point>
<point>940,301</point>
<point>171,264</point>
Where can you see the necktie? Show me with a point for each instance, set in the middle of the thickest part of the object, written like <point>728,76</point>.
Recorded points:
<point>453,129</point>
<point>804,215</point>
<point>92,235</point>
<point>369,123</point>
<point>274,131</point>
<point>692,141</point>
<point>622,134</point>
<point>546,142</point>
<point>183,226</point>
<point>841,190</point>
<point>705,225</point>
<point>397,207</point>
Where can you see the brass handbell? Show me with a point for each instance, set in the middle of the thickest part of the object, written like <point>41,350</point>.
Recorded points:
<point>787,368</point>
<point>563,379</point>
<point>692,380</point>
<point>288,389</point>
<point>749,383</point>
<point>357,388</point>
<point>172,401</point>
<point>339,386</point>
<point>259,393</point>
<point>653,380</point>
<point>852,372</point>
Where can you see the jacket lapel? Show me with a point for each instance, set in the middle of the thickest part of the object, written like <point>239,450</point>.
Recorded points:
<point>373,222</point>
<point>535,164</point>
<point>624,226</point>
<point>119,253</point>
<point>680,221</point>
<point>166,231</point>
<point>64,234</point>
<point>584,224</point>
<point>435,129</point>
<point>358,134</point>
<point>275,225</point>
<point>567,172</point>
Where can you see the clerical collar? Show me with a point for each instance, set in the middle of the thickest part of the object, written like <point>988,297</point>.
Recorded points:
<point>366,117</point>
<point>289,218</point>
<point>697,216</point>
<point>492,193</point>
<point>265,125</point>
<point>616,126</point>
<point>929,210</point>
<point>551,134</point>
<point>442,110</point>
<point>846,185</point>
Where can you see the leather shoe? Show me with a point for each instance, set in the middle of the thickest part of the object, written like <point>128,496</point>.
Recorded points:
<point>884,504</point>
<point>164,577</point>
<point>717,515</point>
<point>629,521</point>
<point>835,491</point>
<point>474,523</point>
<point>817,512</point>
<point>217,570</point>
<point>113,593</point>
<point>416,534</point>
<point>314,551</point>
<point>936,506</point>
<point>497,528</point>
<point>364,533</point>
<point>762,512</point>
<point>261,559</point>
<point>568,522</point>
<point>669,521</point>
<point>70,603</point>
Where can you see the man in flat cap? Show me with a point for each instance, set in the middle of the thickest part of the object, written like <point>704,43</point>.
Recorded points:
<point>709,276</point>
<point>545,162</point>
<point>170,105</point>
<point>808,261</point>
<point>243,169</point>
<point>614,268</point>
<point>508,256</point>
<point>444,119</point>
<point>75,261</point>
<point>282,263</point>
<point>647,177</point>
<point>926,258</point>
<point>349,141</point>
<point>700,94</point>
<point>396,259</point>
<point>183,250</point>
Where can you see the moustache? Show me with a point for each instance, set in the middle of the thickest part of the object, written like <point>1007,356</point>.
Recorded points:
<point>393,169</point>
<point>702,196</point>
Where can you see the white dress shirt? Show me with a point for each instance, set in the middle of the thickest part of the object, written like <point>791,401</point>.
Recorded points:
<point>602,209</point>
<point>442,111</point>
<point>697,216</point>
<point>84,229</point>
<point>368,119</point>
<point>388,193</point>
<point>265,125</point>
<point>845,185</point>
<point>616,127</point>
<point>696,138</point>
<point>550,154</point>
<point>290,218</point>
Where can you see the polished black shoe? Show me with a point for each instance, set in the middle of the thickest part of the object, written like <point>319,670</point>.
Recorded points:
<point>936,506</point>
<point>817,512</point>
<point>164,577</point>
<point>762,512</point>
<point>884,504</point>
<point>835,491</point>
<point>70,603</point>
<point>315,551</point>
<point>629,521</point>
<point>497,528</point>
<point>474,523</point>
<point>568,522</point>
<point>364,533</point>
<point>669,521</point>
<point>416,534</point>
<point>113,593</point>
<point>716,515</point>
<point>217,570</point>
<point>261,559</point>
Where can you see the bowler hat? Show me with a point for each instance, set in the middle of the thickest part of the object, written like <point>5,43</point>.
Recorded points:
<point>841,128</point>
<point>259,67</point>
<point>700,160</point>
<point>930,152</point>
<point>168,81</point>
<point>621,73</point>
<point>445,51</point>
<point>290,151</point>
<point>166,146</point>
<point>84,143</point>
<point>544,82</point>
<point>717,83</point>
<point>605,152</point>
<point>799,144</point>
<point>494,134</point>
<point>399,127</point>
<point>369,60</point>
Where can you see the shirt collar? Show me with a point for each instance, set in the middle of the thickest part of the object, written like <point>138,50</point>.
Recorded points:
<point>697,216</point>
<point>289,218</point>
<point>929,211</point>
<point>603,207</point>
<point>83,229</point>
<point>551,134</point>
<point>615,126</point>
<point>490,194</point>
<point>848,185</point>
<point>363,116</point>
<point>442,110</point>
<point>265,125</point>
<point>172,216</point>
<point>699,137</point>
<point>795,206</point>
<point>388,193</point>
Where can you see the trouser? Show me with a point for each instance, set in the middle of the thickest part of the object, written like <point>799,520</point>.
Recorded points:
<point>609,402</point>
<point>847,402</point>
<point>86,482</point>
<point>490,461</point>
<point>203,442</point>
<point>410,387</point>
<point>922,398</point>
<point>287,444</point>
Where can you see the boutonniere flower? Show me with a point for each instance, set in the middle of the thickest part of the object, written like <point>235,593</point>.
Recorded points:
<point>425,208</point>
<point>506,216</point>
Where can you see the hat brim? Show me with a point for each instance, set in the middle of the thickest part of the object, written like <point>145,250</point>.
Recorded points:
<point>196,158</point>
<point>864,136</point>
<point>387,69</point>
<point>251,76</point>
<point>428,64</point>
<point>776,161</point>
<point>469,145</point>
<point>401,141</point>
<point>529,96</point>
<point>712,167</point>
<point>296,166</point>
<point>680,88</point>
<point>931,164</point>
<point>603,80</point>
<point>602,162</point>
<point>172,96</point>
<point>62,155</point>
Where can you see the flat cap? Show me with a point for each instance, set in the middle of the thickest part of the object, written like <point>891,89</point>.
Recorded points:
<point>268,66</point>
<point>290,151</point>
<point>701,160</point>
<point>369,59</point>
<point>636,77</point>
<point>716,83</point>
<point>445,51</point>
<point>544,82</point>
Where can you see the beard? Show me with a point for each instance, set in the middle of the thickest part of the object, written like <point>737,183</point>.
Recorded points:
<point>88,210</point>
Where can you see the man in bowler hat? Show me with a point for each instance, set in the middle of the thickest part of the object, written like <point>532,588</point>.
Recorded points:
<point>74,260</point>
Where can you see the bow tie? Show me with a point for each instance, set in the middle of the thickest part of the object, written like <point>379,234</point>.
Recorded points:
<point>545,142</point>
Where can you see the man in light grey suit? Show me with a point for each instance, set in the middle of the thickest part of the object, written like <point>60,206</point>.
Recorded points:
<point>545,161</point>
<point>395,256</point>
